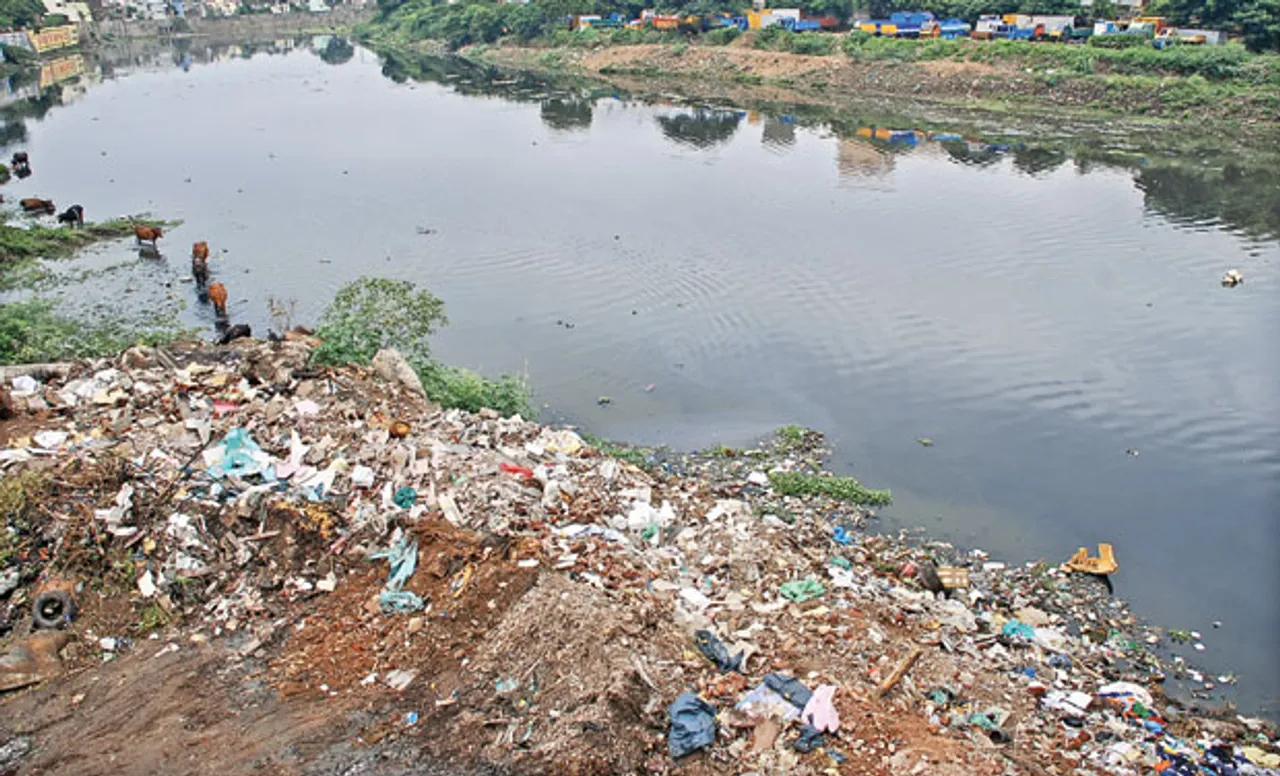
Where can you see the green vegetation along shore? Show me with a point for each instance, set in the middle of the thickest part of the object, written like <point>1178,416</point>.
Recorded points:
<point>1115,75</point>
<point>365,315</point>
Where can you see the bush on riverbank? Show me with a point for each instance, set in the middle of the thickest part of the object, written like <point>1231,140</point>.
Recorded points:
<point>776,38</point>
<point>373,313</point>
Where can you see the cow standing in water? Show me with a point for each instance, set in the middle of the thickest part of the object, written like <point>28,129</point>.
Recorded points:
<point>37,205</point>
<point>72,216</point>
<point>148,234</point>
<point>21,164</point>
<point>218,295</point>
<point>200,263</point>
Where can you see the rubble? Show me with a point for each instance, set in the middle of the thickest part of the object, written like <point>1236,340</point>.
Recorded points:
<point>533,604</point>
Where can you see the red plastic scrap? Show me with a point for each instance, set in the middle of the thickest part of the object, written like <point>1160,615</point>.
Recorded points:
<point>511,468</point>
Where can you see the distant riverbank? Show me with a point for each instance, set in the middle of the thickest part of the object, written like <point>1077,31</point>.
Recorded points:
<point>235,28</point>
<point>1223,83</point>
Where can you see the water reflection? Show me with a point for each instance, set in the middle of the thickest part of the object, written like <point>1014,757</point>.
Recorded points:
<point>1245,198</point>
<point>336,50</point>
<point>1237,192</point>
<point>567,113</point>
<point>1037,161</point>
<point>779,132</point>
<point>700,128</point>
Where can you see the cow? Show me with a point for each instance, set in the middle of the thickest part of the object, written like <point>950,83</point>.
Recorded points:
<point>218,295</point>
<point>200,262</point>
<point>34,205</point>
<point>147,234</point>
<point>21,164</point>
<point>236,332</point>
<point>72,216</point>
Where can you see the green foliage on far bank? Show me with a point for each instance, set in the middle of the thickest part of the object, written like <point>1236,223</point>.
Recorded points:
<point>1230,62</point>
<point>15,14</point>
<point>373,313</point>
<point>781,39</point>
<point>464,23</point>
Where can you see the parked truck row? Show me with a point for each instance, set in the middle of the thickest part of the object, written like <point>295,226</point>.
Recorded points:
<point>917,24</point>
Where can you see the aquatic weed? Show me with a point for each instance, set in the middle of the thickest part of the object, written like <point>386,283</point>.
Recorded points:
<point>831,486</point>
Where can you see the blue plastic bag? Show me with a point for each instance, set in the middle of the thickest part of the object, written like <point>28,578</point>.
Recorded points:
<point>693,725</point>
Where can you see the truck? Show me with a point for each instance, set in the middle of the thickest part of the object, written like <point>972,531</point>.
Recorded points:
<point>953,28</point>
<point>799,25</point>
<point>913,24</point>
<point>987,27</point>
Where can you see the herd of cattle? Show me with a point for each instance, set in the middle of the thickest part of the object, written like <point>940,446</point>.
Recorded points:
<point>214,292</point>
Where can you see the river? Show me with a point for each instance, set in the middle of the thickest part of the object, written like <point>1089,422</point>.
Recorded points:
<point>1045,308</point>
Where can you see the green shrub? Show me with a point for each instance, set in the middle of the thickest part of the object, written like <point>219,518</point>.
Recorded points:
<point>815,44</point>
<point>778,38</point>
<point>374,313</point>
<point>464,389</point>
<point>722,36</point>
<point>774,38</point>
<point>1119,41</point>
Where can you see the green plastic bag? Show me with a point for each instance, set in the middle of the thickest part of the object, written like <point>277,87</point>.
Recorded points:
<point>802,590</point>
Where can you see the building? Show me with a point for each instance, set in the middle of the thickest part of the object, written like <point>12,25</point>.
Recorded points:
<point>75,11</point>
<point>1129,7</point>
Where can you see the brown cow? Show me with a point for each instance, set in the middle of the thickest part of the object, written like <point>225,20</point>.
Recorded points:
<point>34,205</point>
<point>218,295</point>
<point>147,234</point>
<point>200,262</point>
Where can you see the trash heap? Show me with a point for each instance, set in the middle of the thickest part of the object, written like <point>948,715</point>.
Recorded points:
<point>494,591</point>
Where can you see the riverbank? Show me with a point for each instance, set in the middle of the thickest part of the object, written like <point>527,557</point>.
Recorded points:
<point>341,19</point>
<point>1024,78</point>
<point>238,565</point>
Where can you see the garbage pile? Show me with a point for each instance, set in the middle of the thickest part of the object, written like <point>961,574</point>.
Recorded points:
<point>498,592</point>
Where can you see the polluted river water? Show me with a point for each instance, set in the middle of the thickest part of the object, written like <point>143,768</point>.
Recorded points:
<point>1026,342</point>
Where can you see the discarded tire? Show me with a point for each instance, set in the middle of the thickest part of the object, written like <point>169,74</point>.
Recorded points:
<point>53,609</point>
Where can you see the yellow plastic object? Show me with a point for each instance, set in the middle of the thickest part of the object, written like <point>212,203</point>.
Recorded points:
<point>1104,564</point>
<point>953,577</point>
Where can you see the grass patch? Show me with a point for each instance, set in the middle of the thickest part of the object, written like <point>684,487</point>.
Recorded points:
<point>636,456</point>
<point>31,332</point>
<point>43,242</point>
<point>791,437</point>
<point>831,486</point>
<point>154,617</point>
